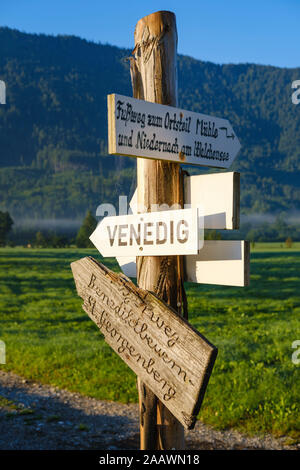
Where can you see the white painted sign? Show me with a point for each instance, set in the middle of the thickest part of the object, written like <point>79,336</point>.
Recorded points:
<point>139,128</point>
<point>220,262</point>
<point>173,232</point>
<point>218,196</point>
<point>224,262</point>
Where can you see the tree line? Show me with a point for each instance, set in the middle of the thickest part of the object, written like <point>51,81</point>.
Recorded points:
<point>53,129</point>
<point>278,231</point>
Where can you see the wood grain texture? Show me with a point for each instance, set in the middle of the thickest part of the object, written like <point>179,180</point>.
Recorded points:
<point>111,127</point>
<point>153,71</point>
<point>147,401</point>
<point>171,357</point>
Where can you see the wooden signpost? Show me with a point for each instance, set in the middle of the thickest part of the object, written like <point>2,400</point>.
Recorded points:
<point>170,356</point>
<point>138,128</point>
<point>163,248</point>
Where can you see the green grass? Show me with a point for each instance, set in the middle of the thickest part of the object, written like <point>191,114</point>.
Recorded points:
<point>255,387</point>
<point>274,246</point>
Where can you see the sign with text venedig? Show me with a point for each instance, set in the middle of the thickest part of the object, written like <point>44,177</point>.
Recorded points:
<point>171,357</point>
<point>140,128</point>
<point>173,232</point>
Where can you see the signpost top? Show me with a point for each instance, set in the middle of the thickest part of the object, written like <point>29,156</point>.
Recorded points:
<point>139,128</point>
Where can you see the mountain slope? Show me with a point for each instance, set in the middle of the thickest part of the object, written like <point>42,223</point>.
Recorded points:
<point>53,128</point>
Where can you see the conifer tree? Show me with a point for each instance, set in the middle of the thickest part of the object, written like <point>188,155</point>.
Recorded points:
<point>88,226</point>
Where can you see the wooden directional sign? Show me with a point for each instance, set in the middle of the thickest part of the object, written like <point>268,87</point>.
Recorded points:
<point>139,128</point>
<point>172,358</point>
<point>220,262</point>
<point>173,232</point>
<point>218,196</point>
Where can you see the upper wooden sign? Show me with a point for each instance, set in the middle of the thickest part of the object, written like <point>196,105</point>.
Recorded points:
<point>171,357</point>
<point>140,128</point>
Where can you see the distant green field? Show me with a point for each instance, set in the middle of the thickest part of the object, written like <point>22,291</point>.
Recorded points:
<point>275,246</point>
<point>254,387</point>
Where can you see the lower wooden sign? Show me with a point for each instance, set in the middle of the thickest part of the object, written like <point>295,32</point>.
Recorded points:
<point>170,356</point>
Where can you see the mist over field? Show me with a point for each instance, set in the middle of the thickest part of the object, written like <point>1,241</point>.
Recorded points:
<point>291,217</point>
<point>54,163</point>
<point>70,224</point>
<point>62,225</point>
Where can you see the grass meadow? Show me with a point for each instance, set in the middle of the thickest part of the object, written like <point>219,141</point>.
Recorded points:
<point>255,386</point>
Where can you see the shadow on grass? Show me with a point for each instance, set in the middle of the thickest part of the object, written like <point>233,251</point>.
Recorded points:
<point>61,254</point>
<point>37,284</point>
<point>276,279</point>
<point>45,253</point>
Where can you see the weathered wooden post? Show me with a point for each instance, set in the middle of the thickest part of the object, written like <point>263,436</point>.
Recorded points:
<point>154,78</point>
<point>144,325</point>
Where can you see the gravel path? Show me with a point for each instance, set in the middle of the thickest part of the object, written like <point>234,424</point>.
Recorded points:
<point>35,416</point>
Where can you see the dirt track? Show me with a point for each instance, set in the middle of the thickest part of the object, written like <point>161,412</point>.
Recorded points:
<point>35,416</point>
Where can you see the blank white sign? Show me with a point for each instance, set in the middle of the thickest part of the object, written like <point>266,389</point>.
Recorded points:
<point>216,194</point>
<point>220,262</point>
<point>219,197</point>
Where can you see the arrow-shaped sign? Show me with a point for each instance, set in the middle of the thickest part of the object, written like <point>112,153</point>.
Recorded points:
<point>173,232</point>
<point>139,128</point>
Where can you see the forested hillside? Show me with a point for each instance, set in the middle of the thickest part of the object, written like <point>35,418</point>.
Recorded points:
<point>53,129</point>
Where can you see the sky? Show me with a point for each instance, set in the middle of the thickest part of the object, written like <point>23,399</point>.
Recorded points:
<point>221,31</point>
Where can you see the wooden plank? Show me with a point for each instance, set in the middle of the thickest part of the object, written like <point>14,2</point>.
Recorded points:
<point>139,128</point>
<point>217,195</point>
<point>149,234</point>
<point>171,357</point>
<point>223,262</point>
